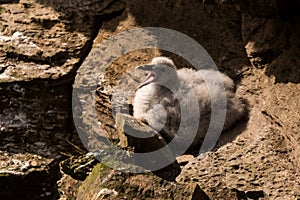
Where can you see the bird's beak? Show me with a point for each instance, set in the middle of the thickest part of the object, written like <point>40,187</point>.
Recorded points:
<point>150,77</point>
<point>148,67</point>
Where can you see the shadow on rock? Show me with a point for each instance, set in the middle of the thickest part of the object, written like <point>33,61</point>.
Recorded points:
<point>273,43</point>
<point>229,135</point>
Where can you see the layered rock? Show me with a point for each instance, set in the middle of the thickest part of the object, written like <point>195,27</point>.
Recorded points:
<point>43,43</point>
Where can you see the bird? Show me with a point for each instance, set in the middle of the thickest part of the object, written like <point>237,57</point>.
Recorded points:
<point>166,93</point>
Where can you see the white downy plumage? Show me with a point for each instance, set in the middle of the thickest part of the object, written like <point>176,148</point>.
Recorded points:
<point>170,98</point>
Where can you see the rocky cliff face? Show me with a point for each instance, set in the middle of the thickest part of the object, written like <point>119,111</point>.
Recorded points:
<point>44,43</point>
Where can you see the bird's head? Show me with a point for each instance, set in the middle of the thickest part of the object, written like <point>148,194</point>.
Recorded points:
<point>162,71</point>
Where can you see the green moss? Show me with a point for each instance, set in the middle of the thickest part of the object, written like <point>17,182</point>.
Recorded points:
<point>99,171</point>
<point>5,174</point>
